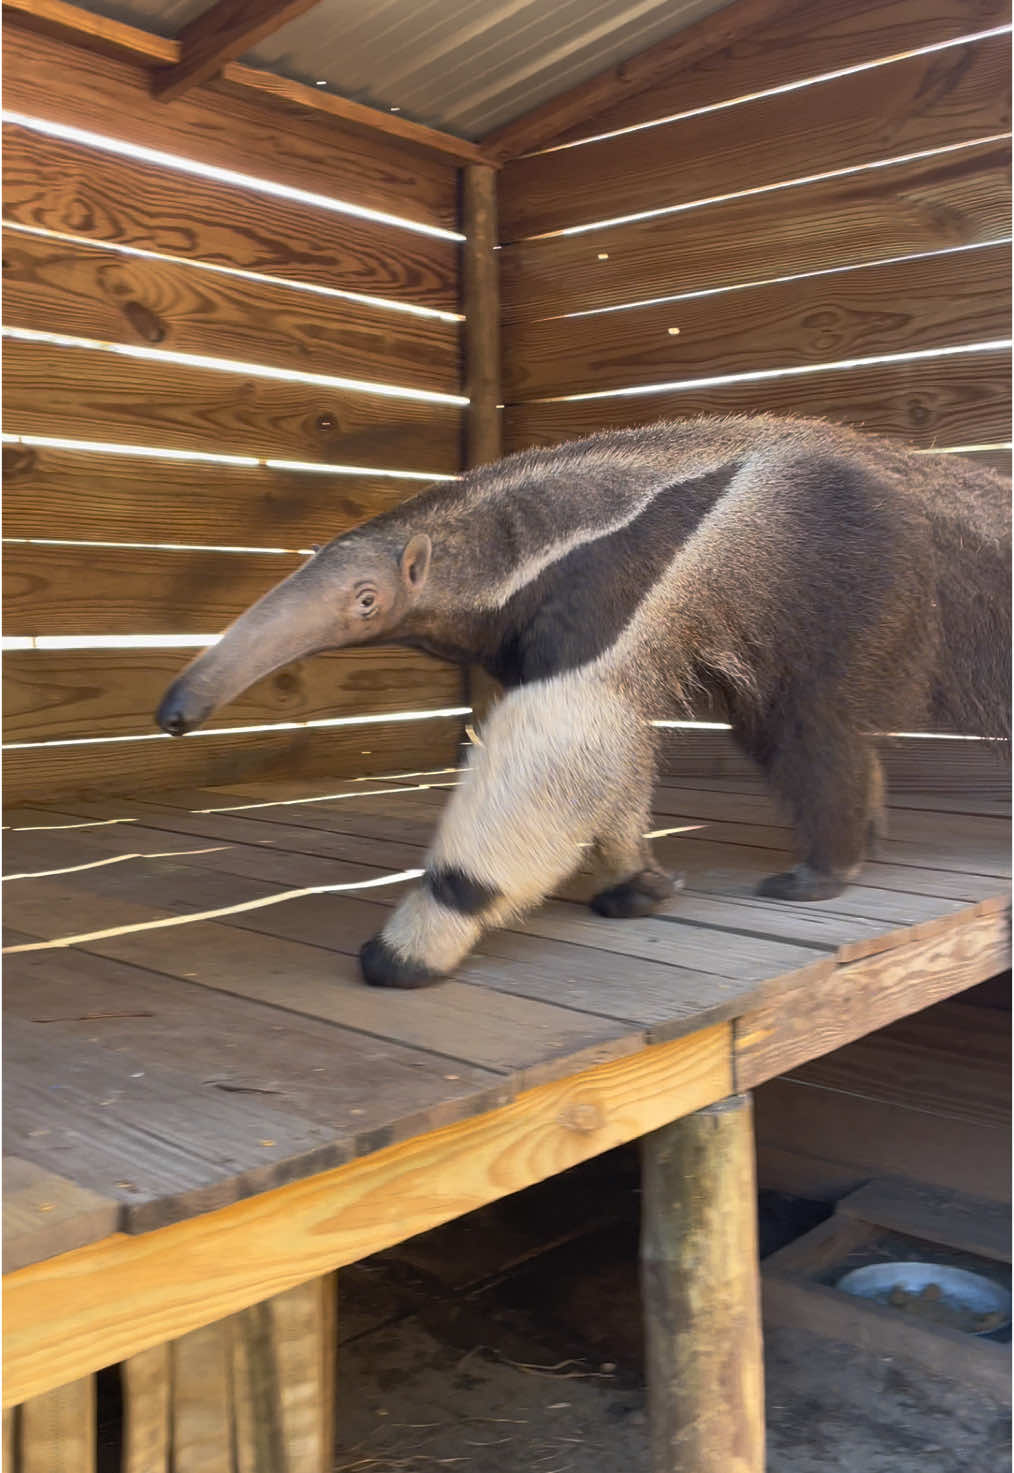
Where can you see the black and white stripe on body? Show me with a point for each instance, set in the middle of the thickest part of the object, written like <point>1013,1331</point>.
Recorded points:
<point>822,584</point>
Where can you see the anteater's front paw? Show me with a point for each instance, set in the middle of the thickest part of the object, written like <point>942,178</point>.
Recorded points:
<point>641,895</point>
<point>383,967</point>
<point>801,883</point>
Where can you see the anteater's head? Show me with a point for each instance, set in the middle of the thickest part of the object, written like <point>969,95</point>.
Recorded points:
<point>357,589</point>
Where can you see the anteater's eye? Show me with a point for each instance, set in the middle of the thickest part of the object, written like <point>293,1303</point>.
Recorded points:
<point>367,600</point>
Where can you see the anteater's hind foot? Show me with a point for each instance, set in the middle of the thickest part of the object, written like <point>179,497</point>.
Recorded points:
<point>640,895</point>
<point>804,883</point>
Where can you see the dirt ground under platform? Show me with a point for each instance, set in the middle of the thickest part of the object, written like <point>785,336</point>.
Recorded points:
<point>477,1350</point>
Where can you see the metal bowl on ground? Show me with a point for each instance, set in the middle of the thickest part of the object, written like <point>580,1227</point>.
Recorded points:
<point>934,1293</point>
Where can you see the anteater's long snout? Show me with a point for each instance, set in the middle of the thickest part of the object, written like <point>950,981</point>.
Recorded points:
<point>288,623</point>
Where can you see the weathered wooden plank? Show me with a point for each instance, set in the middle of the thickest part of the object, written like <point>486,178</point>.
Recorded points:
<point>45,1214</point>
<point>888,1064</point>
<point>95,497</point>
<point>109,1301</point>
<point>933,302</point>
<point>164,1116</point>
<point>83,393</point>
<point>700,1282</point>
<point>201,1401</point>
<point>92,292</point>
<point>332,752</point>
<point>865,995</point>
<point>57,1429</point>
<point>10,1438</point>
<point>951,199</point>
<point>966,398</point>
<point>969,1224</point>
<point>78,190</point>
<point>923,102</point>
<point>224,126</point>
<point>147,1436</point>
<point>283,1360</point>
<point>52,695</point>
<point>795,40</point>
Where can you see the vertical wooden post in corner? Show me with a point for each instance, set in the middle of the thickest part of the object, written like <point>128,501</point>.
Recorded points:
<point>481,305</point>
<point>700,1284</point>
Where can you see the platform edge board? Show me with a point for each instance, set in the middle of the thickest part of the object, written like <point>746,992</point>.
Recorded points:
<point>45,1214</point>
<point>101,1304</point>
<point>795,1025</point>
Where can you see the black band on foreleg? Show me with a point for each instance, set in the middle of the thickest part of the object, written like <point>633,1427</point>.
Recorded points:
<point>456,890</point>
<point>383,967</point>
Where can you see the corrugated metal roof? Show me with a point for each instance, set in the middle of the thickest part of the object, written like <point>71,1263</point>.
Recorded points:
<point>466,66</point>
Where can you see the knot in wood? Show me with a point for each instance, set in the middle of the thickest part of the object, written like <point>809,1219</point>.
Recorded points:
<point>145,322</point>
<point>584,1116</point>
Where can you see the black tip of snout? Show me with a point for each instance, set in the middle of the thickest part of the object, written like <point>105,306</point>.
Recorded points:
<point>174,715</point>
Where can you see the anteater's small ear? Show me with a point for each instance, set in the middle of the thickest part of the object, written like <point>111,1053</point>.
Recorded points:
<point>415,561</point>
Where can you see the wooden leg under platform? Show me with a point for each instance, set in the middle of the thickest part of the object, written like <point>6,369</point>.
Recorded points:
<point>701,1293</point>
<point>253,1393</point>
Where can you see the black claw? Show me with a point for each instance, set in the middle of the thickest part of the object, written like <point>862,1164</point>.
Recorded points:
<point>639,896</point>
<point>801,883</point>
<point>383,967</point>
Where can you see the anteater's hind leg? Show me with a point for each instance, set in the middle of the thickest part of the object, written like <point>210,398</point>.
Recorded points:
<point>544,782</point>
<point>637,884</point>
<point>832,782</point>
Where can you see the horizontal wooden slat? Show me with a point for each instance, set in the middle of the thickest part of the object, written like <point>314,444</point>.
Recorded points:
<point>50,695</point>
<point>91,292</point>
<point>83,191</point>
<point>923,102</point>
<point>88,394</point>
<point>996,460</point>
<point>119,590</point>
<point>930,303</point>
<point>224,126</point>
<point>33,773</point>
<point>952,199</point>
<point>805,38</point>
<point>942,401</point>
<point>81,494</point>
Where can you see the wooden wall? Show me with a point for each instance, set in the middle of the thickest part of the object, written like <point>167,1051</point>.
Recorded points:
<point>854,187</point>
<point>104,539</point>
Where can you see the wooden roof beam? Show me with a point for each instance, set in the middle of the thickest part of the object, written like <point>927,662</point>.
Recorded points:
<point>219,35</point>
<point>67,22</point>
<point>543,125</point>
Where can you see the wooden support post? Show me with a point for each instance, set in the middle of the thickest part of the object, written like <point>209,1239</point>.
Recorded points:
<point>57,1431</point>
<point>701,1293</point>
<point>481,305</point>
<point>146,1424</point>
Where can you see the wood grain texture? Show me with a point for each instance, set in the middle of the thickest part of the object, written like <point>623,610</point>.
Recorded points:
<point>31,773</point>
<point>700,1288</point>
<point>75,190</point>
<point>104,1303</point>
<point>91,292</point>
<point>133,590</point>
<point>931,401</point>
<point>923,102</point>
<point>481,302</point>
<point>94,497</point>
<point>55,18</point>
<point>969,1224</point>
<point>934,302</point>
<point>952,199</point>
<point>995,460</point>
<point>866,995</point>
<point>229,127</point>
<point>226,29</point>
<point>201,1401</point>
<point>51,695</point>
<point>588,99</point>
<point>800,39</point>
<point>45,1214</point>
<point>57,1429</point>
<point>88,394</point>
<point>146,1379</point>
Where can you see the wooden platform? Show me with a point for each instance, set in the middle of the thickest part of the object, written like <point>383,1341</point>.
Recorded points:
<point>201,1115</point>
